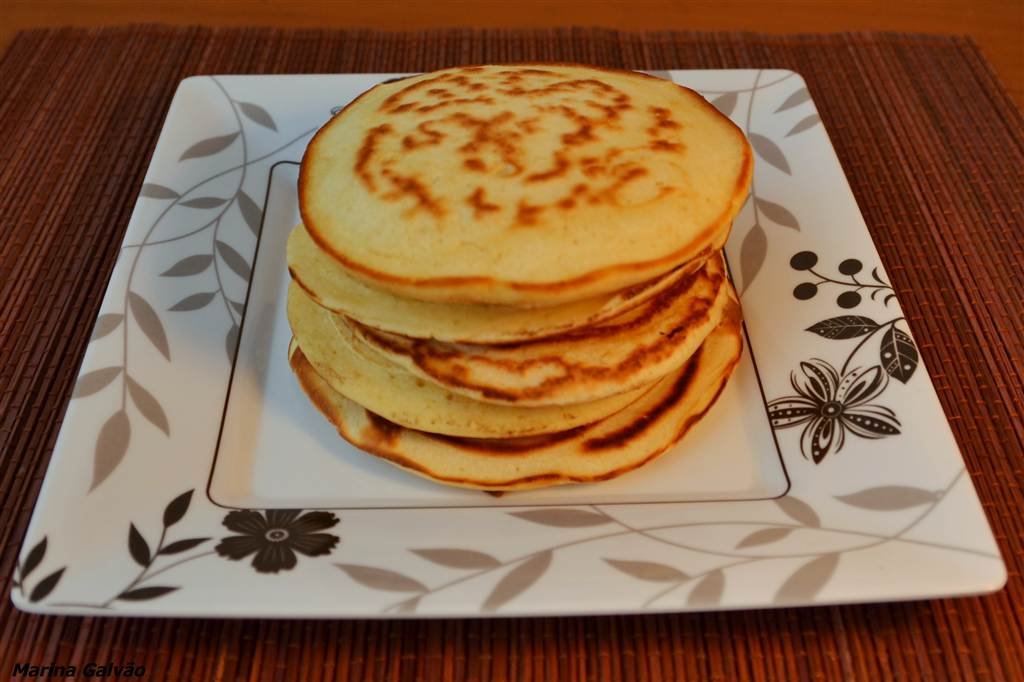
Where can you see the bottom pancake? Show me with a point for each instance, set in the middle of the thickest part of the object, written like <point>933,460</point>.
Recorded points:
<point>599,451</point>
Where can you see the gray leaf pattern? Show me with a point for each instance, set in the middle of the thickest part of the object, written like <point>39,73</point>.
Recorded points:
<point>457,558</point>
<point>238,306</point>
<point>648,570</point>
<point>149,323</point>
<point>382,578</point>
<point>763,536</point>
<point>32,560</point>
<point>105,324</point>
<point>194,301</point>
<point>409,605</point>
<point>708,591</point>
<point>799,511</point>
<point>154,191</point>
<point>138,547</point>
<point>889,497</point>
<point>143,593</point>
<point>180,546</point>
<point>517,581</point>
<point>209,146</point>
<point>753,252</point>
<point>257,114</point>
<point>111,444</point>
<point>795,100</point>
<point>725,103</point>
<point>770,152</point>
<point>231,342</point>
<point>778,214</point>
<point>189,265</point>
<point>176,508</point>
<point>45,586</point>
<point>234,260</point>
<point>251,213</point>
<point>804,124</point>
<point>562,518</point>
<point>94,381</point>
<point>148,405</point>
<point>805,583</point>
<point>204,202</point>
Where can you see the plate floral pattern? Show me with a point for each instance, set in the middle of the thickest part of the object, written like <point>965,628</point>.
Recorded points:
<point>878,486</point>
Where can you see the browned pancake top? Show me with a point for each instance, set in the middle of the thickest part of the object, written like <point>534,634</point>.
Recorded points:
<point>521,185</point>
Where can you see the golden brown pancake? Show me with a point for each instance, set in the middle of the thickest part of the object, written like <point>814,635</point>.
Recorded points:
<point>621,354</point>
<point>364,376</point>
<point>522,185</point>
<point>600,451</point>
<point>327,283</point>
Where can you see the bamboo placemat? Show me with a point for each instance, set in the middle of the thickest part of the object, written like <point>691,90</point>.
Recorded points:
<point>933,148</point>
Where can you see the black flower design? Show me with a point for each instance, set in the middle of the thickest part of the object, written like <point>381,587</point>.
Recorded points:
<point>276,536</point>
<point>830,405</point>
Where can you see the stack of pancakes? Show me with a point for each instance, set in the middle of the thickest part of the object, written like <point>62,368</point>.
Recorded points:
<point>510,276</point>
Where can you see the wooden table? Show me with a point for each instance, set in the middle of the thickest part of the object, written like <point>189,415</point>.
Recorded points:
<point>996,25</point>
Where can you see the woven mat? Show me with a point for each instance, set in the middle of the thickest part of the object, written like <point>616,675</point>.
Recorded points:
<point>933,148</point>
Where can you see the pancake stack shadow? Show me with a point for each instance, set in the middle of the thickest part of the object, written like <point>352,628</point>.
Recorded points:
<point>509,277</point>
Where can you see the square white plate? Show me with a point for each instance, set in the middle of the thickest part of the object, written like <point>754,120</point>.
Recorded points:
<point>191,477</point>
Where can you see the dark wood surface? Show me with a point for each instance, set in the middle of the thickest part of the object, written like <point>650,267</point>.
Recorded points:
<point>934,151</point>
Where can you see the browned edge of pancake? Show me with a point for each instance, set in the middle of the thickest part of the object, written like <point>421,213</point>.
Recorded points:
<point>663,263</point>
<point>385,432</point>
<point>422,352</point>
<point>633,296</point>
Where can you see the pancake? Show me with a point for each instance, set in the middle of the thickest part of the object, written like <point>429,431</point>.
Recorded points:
<point>522,185</point>
<point>330,286</point>
<point>600,451</point>
<point>618,355</point>
<point>364,376</point>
